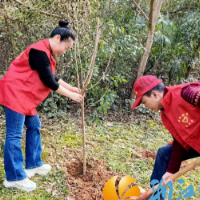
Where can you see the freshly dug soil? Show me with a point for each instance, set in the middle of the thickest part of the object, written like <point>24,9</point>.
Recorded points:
<point>90,186</point>
<point>148,154</point>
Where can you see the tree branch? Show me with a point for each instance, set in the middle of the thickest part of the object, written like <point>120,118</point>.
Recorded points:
<point>77,74</point>
<point>141,10</point>
<point>99,99</point>
<point>40,11</point>
<point>80,62</point>
<point>104,71</point>
<point>157,11</point>
<point>90,72</point>
<point>151,14</point>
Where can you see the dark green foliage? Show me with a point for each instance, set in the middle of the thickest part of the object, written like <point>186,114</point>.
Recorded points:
<point>55,106</point>
<point>173,54</point>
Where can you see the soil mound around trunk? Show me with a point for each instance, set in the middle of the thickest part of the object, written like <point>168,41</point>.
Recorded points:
<point>90,186</point>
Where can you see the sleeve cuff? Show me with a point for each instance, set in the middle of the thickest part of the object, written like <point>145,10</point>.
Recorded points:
<point>57,78</point>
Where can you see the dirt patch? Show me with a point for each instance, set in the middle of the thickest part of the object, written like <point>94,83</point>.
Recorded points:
<point>90,186</point>
<point>143,153</point>
<point>148,154</point>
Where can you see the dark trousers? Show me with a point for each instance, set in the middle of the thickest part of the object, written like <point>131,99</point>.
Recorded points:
<point>163,158</point>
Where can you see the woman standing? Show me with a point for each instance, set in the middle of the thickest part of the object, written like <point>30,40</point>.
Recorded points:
<point>27,83</point>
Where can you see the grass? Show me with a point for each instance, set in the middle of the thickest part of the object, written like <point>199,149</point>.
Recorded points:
<point>117,144</point>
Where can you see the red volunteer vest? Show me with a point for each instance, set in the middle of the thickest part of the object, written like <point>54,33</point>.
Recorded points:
<point>21,89</point>
<point>181,118</point>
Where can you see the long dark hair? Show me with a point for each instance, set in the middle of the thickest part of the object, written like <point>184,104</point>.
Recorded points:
<point>64,31</point>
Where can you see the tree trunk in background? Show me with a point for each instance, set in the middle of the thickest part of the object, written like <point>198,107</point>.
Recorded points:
<point>152,22</point>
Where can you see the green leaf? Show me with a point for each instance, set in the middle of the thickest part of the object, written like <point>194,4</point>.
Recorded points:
<point>19,33</point>
<point>3,25</point>
<point>116,84</point>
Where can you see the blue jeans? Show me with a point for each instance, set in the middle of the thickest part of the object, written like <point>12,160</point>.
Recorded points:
<point>163,158</point>
<point>13,158</point>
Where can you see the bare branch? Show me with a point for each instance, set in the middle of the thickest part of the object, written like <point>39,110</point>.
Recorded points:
<point>19,2</point>
<point>151,14</point>
<point>141,10</point>
<point>104,73</point>
<point>13,19</point>
<point>90,67</point>
<point>93,59</point>
<point>157,11</point>
<point>78,51</point>
<point>77,74</point>
<point>40,11</point>
<point>99,99</point>
<point>80,62</point>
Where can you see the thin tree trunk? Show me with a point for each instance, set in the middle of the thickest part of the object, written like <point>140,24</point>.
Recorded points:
<point>152,22</point>
<point>98,32</point>
<point>83,137</point>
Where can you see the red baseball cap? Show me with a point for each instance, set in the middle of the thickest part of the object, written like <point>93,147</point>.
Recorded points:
<point>143,85</point>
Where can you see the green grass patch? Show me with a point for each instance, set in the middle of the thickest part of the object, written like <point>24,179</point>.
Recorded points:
<point>117,144</point>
